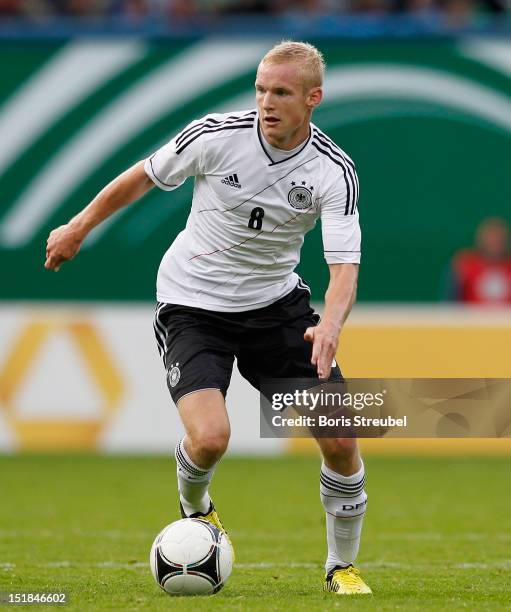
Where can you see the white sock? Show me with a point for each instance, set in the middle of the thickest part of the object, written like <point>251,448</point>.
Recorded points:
<point>344,500</point>
<point>193,482</point>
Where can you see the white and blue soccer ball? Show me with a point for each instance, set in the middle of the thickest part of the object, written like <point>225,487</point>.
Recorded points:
<point>191,557</point>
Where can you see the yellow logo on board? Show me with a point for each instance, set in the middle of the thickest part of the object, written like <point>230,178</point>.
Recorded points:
<point>61,433</point>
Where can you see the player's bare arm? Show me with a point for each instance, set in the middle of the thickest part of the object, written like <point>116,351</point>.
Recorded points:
<point>64,242</point>
<point>339,299</point>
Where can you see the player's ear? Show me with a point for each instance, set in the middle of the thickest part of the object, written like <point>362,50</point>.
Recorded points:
<point>314,97</point>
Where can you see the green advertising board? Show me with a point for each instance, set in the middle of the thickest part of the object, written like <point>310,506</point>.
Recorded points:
<point>428,125</point>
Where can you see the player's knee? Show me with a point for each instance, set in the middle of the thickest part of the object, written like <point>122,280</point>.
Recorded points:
<point>335,449</point>
<point>209,446</point>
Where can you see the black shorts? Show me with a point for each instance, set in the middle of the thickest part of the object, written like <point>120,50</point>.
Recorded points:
<point>198,346</point>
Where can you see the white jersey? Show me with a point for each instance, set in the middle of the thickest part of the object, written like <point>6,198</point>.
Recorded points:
<point>250,213</point>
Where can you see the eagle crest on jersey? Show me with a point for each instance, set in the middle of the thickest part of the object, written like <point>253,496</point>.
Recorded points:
<point>250,212</point>
<point>300,197</point>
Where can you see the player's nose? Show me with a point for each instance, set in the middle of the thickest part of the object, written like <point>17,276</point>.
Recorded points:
<point>268,101</point>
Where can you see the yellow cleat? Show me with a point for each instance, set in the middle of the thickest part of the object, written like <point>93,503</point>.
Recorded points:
<point>345,581</point>
<point>212,517</point>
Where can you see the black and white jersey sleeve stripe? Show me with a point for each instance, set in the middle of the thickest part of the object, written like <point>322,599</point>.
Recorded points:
<point>340,226</point>
<point>209,125</point>
<point>183,156</point>
<point>210,121</point>
<point>329,149</point>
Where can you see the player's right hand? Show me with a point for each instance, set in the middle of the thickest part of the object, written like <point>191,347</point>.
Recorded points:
<point>62,245</point>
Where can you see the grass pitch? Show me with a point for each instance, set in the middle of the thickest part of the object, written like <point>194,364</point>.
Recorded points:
<point>437,533</point>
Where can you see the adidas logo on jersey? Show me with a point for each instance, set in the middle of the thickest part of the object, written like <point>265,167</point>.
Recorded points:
<point>232,181</point>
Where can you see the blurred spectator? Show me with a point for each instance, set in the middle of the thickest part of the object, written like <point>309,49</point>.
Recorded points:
<point>483,275</point>
<point>458,12</point>
<point>82,8</point>
<point>241,7</point>
<point>453,13</point>
<point>11,7</point>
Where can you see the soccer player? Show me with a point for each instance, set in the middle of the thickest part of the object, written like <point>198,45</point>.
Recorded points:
<point>482,275</point>
<point>227,288</point>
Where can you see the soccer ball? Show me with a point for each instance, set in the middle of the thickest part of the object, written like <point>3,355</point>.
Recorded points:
<point>191,557</point>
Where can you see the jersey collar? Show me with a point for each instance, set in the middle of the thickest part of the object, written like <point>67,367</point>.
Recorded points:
<point>259,138</point>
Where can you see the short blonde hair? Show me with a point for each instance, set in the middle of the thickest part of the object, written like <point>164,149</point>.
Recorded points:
<point>310,59</point>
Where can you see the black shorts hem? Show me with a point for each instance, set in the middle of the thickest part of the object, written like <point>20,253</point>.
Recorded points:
<point>179,396</point>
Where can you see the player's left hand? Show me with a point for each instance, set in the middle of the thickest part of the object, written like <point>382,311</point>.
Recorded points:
<point>324,340</point>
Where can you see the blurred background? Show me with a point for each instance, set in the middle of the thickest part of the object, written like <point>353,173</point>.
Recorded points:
<point>418,92</point>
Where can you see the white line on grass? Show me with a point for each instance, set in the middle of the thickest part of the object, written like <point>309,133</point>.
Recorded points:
<point>119,534</point>
<point>113,534</point>
<point>503,564</point>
